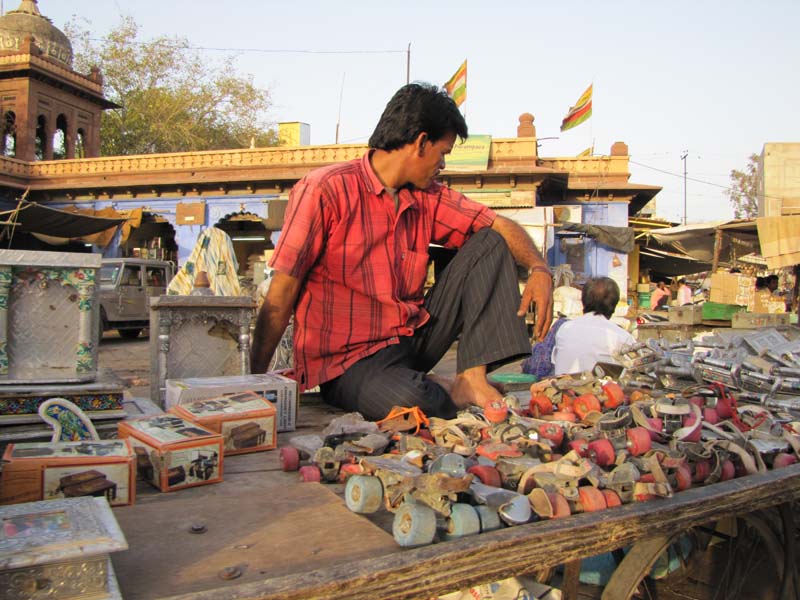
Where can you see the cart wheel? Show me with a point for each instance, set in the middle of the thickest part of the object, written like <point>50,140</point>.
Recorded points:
<point>463,520</point>
<point>552,432</point>
<point>612,498</point>
<point>310,474</point>
<point>585,404</point>
<point>540,405</point>
<point>290,458</point>
<point>560,505</point>
<point>603,452</point>
<point>495,412</point>
<point>487,475</point>
<point>363,494</point>
<point>683,478</point>
<point>614,395</point>
<point>591,498</point>
<point>414,525</point>
<point>580,446</point>
<point>728,470</point>
<point>701,471</point>
<point>639,440</point>
<point>488,518</point>
<point>783,460</point>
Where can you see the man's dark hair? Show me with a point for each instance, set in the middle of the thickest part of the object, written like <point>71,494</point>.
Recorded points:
<point>771,279</point>
<point>417,108</point>
<point>600,295</point>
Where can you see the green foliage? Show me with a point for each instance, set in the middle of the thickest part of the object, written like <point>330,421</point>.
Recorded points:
<point>172,98</point>
<point>743,192</point>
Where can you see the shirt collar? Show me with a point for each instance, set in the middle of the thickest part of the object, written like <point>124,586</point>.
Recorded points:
<point>376,185</point>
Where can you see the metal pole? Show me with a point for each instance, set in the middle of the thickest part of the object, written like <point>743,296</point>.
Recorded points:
<point>683,158</point>
<point>408,64</point>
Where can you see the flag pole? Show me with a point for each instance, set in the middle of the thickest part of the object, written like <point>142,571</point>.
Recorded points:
<point>408,64</point>
<point>466,75</point>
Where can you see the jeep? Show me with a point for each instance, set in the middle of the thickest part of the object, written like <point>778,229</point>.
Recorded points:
<point>125,286</point>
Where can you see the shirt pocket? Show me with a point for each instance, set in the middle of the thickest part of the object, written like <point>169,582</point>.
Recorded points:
<point>413,272</point>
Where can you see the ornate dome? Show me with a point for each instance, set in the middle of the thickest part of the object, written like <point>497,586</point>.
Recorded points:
<point>27,20</point>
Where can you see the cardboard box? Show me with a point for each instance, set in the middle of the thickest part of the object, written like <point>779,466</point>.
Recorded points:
<point>748,320</point>
<point>173,453</point>
<point>277,389</point>
<point>245,420</point>
<point>731,288</point>
<point>686,315</point>
<point>46,471</point>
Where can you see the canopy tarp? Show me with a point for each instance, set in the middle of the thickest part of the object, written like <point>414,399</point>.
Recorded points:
<point>616,238</point>
<point>31,217</point>
<point>698,240</point>
<point>780,240</point>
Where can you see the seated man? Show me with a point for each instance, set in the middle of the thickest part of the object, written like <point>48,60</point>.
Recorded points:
<point>591,338</point>
<point>352,259</point>
<point>659,299</point>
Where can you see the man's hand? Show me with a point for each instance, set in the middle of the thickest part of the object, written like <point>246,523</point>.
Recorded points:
<point>539,293</point>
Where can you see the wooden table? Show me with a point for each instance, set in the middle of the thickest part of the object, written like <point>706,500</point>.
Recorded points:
<point>282,539</point>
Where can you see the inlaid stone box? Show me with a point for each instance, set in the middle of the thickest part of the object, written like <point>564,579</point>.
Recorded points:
<point>198,336</point>
<point>58,550</point>
<point>49,317</point>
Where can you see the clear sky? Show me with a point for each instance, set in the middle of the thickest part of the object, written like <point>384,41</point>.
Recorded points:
<point>717,79</point>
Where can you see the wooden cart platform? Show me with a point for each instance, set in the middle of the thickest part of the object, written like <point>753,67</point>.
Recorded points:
<point>269,536</point>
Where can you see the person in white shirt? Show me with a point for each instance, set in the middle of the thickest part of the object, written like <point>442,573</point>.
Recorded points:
<point>684,293</point>
<point>591,338</point>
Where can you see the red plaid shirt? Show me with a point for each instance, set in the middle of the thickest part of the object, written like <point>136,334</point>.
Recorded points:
<point>363,262</point>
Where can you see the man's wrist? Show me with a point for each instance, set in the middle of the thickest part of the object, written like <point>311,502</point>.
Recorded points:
<point>538,269</point>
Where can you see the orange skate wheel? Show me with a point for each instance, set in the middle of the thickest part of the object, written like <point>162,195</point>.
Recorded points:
<point>580,446</point>
<point>561,415</point>
<point>612,498</point>
<point>488,475</point>
<point>495,412</point>
<point>560,505</point>
<point>552,432</point>
<point>614,395</point>
<point>591,498</point>
<point>541,405</point>
<point>585,404</point>
<point>602,452</point>
<point>683,478</point>
<point>639,440</point>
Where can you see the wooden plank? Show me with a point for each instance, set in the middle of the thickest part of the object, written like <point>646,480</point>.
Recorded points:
<point>264,524</point>
<point>445,567</point>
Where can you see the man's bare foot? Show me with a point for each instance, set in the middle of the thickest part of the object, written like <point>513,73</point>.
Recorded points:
<point>471,388</point>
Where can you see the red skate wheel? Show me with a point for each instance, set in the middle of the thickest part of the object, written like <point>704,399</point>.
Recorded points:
<point>560,505</point>
<point>658,425</point>
<point>310,473</point>
<point>783,460</point>
<point>349,469</point>
<point>728,470</point>
<point>580,446</point>
<point>561,415</point>
<point>552,432</point>
<point>541,405</point>
<point>585,404</point>
<point>710,415</point>
<point>591,498</point>
<point>698,401</point>
<point>290,458</point>
<point>639,440</point>
<point>603,452</point>
<point>614,395</point>
<point>495,412</point>
<point>701,471</point>
<point>612,498</point>
<point>647,478</point>
<point>567,400</point>
<point>683,478</point>
<point>689,421</point>
<point>487,475</point>
<point>724,408</point>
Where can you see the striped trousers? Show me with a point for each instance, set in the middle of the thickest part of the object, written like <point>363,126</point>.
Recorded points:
<point>474,300</point>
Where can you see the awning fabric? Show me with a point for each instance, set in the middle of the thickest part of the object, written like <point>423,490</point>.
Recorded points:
<point>31,217</point>
<point>780,240</point>
<point>616,238</point>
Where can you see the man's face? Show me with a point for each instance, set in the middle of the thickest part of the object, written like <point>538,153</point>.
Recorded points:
<point>430,159</point>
